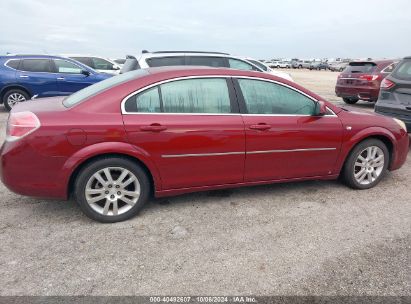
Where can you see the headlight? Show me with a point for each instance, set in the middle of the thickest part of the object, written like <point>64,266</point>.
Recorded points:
<point>401,123</point>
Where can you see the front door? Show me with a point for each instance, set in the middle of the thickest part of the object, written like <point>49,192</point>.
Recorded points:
<point>192,130</point>
<point>69,77</point>
<point>283,138</point>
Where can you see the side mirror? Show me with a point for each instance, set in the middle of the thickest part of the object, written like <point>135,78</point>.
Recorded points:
<point>86,73</point>
<point>320,108</point>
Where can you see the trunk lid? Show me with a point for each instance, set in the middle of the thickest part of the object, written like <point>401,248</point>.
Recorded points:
<point>49,104</point>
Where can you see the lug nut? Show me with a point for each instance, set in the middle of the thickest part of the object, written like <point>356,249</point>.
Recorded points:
<point>117,186</point>
<point>107,192</point>
<point>119,193</point>
<point>112,197</point>
<point>110,186</point>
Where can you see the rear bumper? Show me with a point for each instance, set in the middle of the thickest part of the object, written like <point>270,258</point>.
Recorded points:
<point>363,93</point>
<point>40,177</point>
<point>405,116</point>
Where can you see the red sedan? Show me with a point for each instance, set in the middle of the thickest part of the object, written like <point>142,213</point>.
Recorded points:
<point>166,131</point>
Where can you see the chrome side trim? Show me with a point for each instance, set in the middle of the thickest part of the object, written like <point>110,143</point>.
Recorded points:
<point>239,153</point>
<point>201,154</point>
<point>292,150</point>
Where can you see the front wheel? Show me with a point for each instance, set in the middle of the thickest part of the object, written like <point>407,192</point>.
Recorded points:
<point>350,100</point>
<point>13,97</point>
<point>112,189</point>
<point>366,164</point>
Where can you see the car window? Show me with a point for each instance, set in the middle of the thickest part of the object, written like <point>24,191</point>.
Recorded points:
<point>259,64</point>
<point>14,64</point>
<point>207,61</point>
<point>35,65</point>
<point>102,64</point>
<point>165,61</point>
<point>209,95</point>
<point>240,65</point>
<point>360,67</point>
<point>147,101</point>
<point>389,68</point>
<point>101,86</point>
<point>63,66</point>
<point>84,60</point>
<point>262,97</point>
<point>403,71</point>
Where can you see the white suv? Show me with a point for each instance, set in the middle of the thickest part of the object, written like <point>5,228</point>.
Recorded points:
<point>212,59</point>
<point>97,63</point>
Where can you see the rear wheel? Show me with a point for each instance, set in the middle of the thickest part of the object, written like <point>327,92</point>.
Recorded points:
<point>112,189</point>
<point>366,164</point>
<point>350,100</point>
<point>13,97</point>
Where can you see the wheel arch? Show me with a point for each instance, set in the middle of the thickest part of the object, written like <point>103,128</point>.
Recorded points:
<point>13,86</point>
<point>382,135</point>
<point>91,159</point>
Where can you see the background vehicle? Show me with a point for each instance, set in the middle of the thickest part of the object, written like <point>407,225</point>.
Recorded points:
<point>169,131</point>
<point>362,79</point>
<point>120,62</point>
<point>212,59</point>
<point>395,93</point>
<point>318,65</point>
<point>337,66</point>
<point>25,76</point>
<point>301,64</point>
<point>284,64</point>
<point>99,64</point>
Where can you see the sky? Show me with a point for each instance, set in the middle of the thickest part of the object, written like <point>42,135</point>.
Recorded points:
<point>259,29</point>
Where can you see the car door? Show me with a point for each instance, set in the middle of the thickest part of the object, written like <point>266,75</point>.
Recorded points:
<point>283,138</point>
<point>36,75</point>
<point>192,130</point>
<point>70,77</point>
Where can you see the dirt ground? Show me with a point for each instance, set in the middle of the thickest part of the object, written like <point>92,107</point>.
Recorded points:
<point>307,238</point>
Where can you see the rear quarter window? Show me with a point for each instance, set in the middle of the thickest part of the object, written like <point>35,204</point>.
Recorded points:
<point>14,63</point>
<point>403,70</point>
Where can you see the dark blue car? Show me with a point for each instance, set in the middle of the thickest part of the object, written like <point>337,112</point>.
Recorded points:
<point>24,76</point>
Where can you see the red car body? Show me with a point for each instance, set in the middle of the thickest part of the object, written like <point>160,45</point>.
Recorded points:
<point>362,84</point>
<point>170,147</point>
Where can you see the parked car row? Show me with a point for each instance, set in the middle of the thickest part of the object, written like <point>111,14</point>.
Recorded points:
<point>26,76</point>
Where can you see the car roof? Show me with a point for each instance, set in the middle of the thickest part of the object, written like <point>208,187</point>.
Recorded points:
<point>20,56</point>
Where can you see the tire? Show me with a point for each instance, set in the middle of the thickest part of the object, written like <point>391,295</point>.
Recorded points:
<point>352,172</point>
<point>112,194</point>
<point>16,95</point>
<point>278,66</point>
<point>350,100</point>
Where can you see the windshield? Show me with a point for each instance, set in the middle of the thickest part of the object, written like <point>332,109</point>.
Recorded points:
<point>259,64</point>
<point>101,86</point>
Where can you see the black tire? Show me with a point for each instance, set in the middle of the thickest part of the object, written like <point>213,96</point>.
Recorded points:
<point>350,100</point>
<point>11,92</point>
<point>87,173</point>
<point>349,171</point>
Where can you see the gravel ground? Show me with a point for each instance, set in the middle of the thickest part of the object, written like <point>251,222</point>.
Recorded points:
<point>307,238</point>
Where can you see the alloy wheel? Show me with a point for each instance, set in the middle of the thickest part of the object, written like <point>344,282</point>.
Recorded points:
<point>369,165</point>
<point>112,191</point>
<point>14,99</point>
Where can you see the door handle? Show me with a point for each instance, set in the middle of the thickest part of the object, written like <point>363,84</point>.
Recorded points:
<point>153,128</point>
<point>260,126</point>
<point>60,78</point>
<point>24,76</point>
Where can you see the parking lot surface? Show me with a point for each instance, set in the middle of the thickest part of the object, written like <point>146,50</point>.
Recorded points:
<point>307,238</point>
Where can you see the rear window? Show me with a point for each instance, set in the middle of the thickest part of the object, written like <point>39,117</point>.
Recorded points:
<point>403,71</point>
<point>101,86</point>
<point>165,61</point>
<point>361,67</point>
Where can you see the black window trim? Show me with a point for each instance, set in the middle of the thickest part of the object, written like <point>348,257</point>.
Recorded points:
<point>234,105</point>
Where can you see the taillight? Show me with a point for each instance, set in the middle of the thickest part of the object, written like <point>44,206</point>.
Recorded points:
<point>21,124</point>
<point>386,84</point>
<point>369,77</point>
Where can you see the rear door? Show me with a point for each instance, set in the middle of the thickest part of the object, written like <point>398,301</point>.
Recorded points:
<point>398,98</point>
<point>191,128</point>
<point>283,138</point>
<point>37,76</point>
<point>69,77</point>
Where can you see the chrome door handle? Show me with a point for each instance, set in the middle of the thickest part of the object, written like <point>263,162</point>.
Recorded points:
<point>260,127</point>
<point>24,76</point>
<point>153,128</point>
<point>60,78</point>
